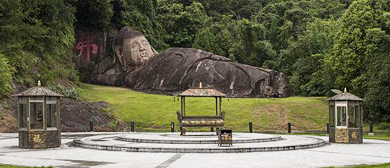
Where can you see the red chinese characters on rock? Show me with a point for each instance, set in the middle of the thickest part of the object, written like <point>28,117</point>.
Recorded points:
<point>87,46</point>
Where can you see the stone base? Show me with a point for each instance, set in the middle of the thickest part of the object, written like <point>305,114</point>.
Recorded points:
<point>346,135</point>
<point>174,143</point>
<point>39,139</point>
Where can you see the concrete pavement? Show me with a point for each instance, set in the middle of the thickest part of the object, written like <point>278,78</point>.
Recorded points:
<point>370,152</point>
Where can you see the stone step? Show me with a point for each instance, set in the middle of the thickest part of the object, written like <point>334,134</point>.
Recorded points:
<point>195,138</point>
<point>110,142</point>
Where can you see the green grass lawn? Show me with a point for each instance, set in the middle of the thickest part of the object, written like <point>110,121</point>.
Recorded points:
<point>152,112</point>
<point>385,137</point>
<point>10,166</point>
<point>385,165</point>
<point>380,137</point>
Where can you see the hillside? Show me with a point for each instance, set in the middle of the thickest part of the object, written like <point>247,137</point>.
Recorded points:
<point>155,112</point>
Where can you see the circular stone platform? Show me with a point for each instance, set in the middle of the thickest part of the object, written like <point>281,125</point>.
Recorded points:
<point>195,138</point>
<point>196,143</point>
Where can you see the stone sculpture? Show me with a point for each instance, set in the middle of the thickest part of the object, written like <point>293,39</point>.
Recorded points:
<point>138,66</point>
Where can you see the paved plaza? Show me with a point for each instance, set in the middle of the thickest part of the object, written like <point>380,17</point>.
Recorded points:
<point>69,155</point>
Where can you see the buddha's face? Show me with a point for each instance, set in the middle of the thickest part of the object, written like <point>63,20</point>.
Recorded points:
<point>137,50</point>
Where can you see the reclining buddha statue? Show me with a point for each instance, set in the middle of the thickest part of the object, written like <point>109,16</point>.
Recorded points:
<point>137,65</point>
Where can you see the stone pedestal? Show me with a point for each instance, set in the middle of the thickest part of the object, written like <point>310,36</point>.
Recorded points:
<point>346,135</point>
<point>39,139</point>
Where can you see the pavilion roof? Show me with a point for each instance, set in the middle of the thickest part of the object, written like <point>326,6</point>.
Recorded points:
<point>345,96</point>
<point>202,92</point>
<point>38,91</point>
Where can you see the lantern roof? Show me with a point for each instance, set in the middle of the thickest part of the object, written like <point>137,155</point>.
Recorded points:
<point>38,91</point>
<point>345,96</point>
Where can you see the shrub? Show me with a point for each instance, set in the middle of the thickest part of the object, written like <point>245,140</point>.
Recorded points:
<point>68,93</point>
<point>6,77</point>
<point>384,126</point>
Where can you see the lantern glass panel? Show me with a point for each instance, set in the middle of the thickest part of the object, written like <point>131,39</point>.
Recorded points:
<point>22,115</point>
<point>331,116</point>
<point>357,116</point>
<point>341,116</point>
<point>352,118</point>
<point>36,115</point>
<point>51,113</point>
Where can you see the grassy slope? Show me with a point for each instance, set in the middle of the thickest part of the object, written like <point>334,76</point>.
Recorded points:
<point>155,112</point>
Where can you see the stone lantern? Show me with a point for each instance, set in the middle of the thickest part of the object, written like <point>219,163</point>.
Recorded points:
<point>345,118</point>
<point>39,118</point>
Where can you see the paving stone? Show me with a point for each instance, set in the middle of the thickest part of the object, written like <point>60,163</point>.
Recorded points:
<point>370,152</point>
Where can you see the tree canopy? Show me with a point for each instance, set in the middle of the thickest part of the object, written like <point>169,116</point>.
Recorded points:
<point>320,45</point>
<point>37,38</point>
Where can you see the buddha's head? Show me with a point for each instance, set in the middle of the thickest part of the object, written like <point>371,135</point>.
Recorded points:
<point>132,49</point>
